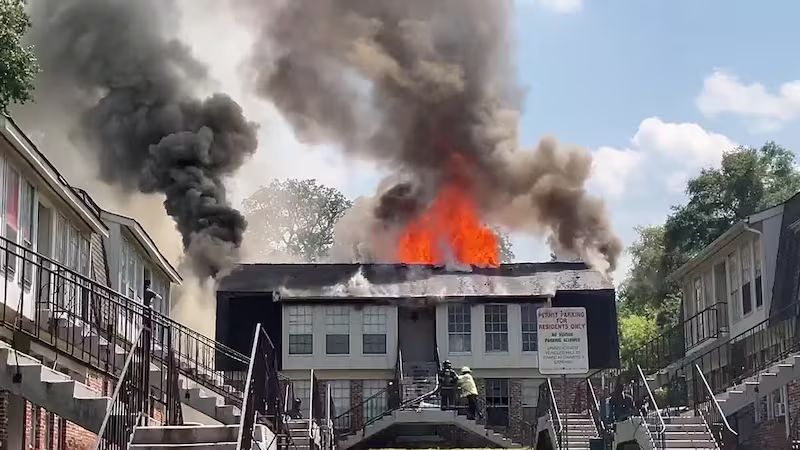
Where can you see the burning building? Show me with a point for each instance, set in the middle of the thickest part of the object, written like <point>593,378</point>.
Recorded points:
<point>366,328</point>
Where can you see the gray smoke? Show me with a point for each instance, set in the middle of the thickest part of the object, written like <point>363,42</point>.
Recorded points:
<point>120,68</point>
<point>420,85</point>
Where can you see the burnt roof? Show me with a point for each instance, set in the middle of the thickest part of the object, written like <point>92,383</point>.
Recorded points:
<point>323,281</point>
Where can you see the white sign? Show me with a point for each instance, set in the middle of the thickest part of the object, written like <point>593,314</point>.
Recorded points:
<point>563,347</point>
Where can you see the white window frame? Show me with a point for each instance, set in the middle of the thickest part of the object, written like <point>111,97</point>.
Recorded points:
<point>374,324</point>
<point>337,324</point>
<point>532,329</point>
<point>301,323</point>
<point>734,285</point>
<point>495,331</point>
<point>746,264</point>
<point>461,329</point>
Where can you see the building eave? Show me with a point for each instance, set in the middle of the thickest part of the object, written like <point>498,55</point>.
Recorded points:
<point>49,174</point>
<point>720,242</point>
<point>146,242</point>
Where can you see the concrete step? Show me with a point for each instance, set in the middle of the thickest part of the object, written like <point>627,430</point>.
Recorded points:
<point>691,443</point>
<point>185,434</point>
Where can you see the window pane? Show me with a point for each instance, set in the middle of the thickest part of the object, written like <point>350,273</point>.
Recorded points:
<point>12,200</point>
<point>459,327</point>
<point>340,394</point>
<point>529,331</point>
<point>374,344</point>
<point>496,328</point>
<point>300,319</point>
<point>337,344</point>
<point>337,319</point>
<point>300,344</point>
<point>374,398</point>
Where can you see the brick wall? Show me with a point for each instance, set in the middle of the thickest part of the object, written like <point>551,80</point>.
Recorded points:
<point>515,409</point>
<point>793,400</point>
<point>356,398</point>
<point>3,419</point>
<point>767,435</point>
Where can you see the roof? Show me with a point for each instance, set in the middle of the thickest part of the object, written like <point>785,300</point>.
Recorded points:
<point>146,242</point>
<point>49,173</point>
<point>723,240</point>
<point>328,281</point>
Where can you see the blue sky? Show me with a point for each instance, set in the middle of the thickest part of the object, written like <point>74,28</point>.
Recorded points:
<point>655,89</point>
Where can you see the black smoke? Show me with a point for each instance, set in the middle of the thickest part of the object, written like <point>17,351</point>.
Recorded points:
<point>132,84</point>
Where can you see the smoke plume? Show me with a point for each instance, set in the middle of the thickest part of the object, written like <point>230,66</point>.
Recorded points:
<point>426,88</point>
<point>119,66</point>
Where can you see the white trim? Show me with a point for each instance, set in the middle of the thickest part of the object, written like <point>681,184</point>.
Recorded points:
<point>51,177</point>
<point>146,242</point>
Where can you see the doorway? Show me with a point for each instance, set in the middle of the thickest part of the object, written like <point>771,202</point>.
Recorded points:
<point>416,333</point>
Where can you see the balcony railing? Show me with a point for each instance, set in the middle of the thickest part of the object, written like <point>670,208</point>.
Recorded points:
<point>77,317</point>
<point>671,346</point>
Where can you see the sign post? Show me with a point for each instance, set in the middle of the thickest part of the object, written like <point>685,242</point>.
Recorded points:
<point>563,347</point>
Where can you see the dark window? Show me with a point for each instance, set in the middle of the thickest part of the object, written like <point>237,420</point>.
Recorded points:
<point>747,301</point>
<point>497,401</point>
<point>529,343</point>
<point>759,296</point>
<point>374,344</point>
<point>337,344</point>
<point>496,326</point>
<point>300,344</point>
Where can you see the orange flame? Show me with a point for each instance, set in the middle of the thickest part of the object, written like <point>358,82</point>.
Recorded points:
<point>450,229</point>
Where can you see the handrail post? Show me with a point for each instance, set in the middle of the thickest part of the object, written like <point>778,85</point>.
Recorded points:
<point>713,400</point>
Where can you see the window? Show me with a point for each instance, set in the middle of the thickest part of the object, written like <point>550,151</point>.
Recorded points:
<point>340,393</point>
<point>11,214</point>
<point>459,328</point>
<point>496,327</point>
<point>530,397</point>
<point>374,330</point>
<point>747,300</point>
<point>529,336</point>
<point>26,227</point>
<point>337,329</point>
<point>757,270</point>
<point>160,287</point>
<point>302,390</point>
<point>301,322</point>
<point>374,406</point>
<point>497,401</point>
<point>733,283</point>
<point>698,294</point>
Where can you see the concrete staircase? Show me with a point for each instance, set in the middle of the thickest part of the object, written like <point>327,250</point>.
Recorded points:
<point>580,428</point>
<point>682,432</point>
<point>193,393</point>
<point>195,437</point>
<point>25,376</point>
<point>428,416</point>
<point>745,393</point>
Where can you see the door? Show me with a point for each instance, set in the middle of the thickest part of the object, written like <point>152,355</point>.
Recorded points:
<point>416,331</point>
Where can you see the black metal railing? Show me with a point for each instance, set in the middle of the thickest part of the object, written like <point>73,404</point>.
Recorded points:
<point>261,402</point>
<point>84,320</point>
<point>130,398</point>
<point>647,408</point>
<point>672,345</point>
<point>709,409</point>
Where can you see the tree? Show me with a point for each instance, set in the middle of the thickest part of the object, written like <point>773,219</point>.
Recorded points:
<point>748,180</point>
<point>635,331</point>
<point>506,247</point>
<point>17,62</point>
<point>294,217</point>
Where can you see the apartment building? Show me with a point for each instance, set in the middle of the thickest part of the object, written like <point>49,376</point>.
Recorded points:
<point>740,297</point>
<point>55,242</point>
<point>364,328</point>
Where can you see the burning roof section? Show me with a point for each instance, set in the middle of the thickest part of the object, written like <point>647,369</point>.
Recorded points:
<point>330,281</point>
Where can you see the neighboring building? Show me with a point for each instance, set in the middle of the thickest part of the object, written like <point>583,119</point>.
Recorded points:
<point>360,326</point>
<point>740,297</point>
<point>55,242</point>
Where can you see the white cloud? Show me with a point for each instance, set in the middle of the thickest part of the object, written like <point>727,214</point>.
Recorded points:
<point>557,6</point>
<point>686,143</point>
<point>725,93</point>
<point>612,169</point>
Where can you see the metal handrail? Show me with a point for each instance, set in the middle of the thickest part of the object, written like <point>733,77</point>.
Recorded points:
<point>596,404</point>
<point>555,405</point>
<point>663,425</point>
<point>118,388</point>
<point>311,407</point>
<point>714,400</point>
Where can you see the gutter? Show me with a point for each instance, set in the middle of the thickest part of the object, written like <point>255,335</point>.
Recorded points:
<point>726,237</point>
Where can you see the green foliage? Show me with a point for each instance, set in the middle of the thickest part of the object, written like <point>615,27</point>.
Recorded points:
<point>17,63</point>
<point>294,217</point>
<point>635,331</point>
<point>748,180</point>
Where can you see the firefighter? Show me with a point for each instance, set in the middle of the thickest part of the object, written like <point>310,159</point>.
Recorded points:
<point>448,378</point>
<point>468,390</point>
